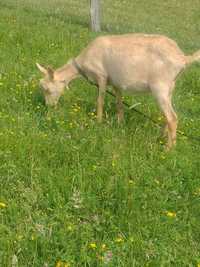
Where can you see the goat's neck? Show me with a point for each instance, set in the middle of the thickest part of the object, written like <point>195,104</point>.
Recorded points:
<point>66,73</point>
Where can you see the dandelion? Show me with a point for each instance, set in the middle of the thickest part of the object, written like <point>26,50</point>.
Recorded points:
<point>69,228</point>
<point>103,246</point>
<point>32,237</point>
<point>2,205</point>
<point>92,245</point>
<point>131,182</point>
<point>197,192</point>
<point>99,257</point>
<point>171,214</point>
<point>198,265</point>
<point>94,167</point>
<point>113,163</point>
<point>62,264</point>
<point>20,237</point>
<point>118,240</point>
<point>59,263</point>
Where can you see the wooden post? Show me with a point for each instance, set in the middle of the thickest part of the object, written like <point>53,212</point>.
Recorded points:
<point>95,15</point>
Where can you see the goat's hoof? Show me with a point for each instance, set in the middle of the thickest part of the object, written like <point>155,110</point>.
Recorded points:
<point>120,120</point>
<point>169,147</point>
<point>99,121</point>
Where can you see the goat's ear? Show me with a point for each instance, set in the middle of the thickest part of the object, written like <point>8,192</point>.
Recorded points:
<point>42,69</point>
<point>50,72</point>
<point>46,71</point>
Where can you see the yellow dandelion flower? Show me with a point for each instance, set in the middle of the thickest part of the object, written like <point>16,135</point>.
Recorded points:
<point>119,240</point>
<point>33,237</point>
<point>171,214</point>
<point>59,263</point>
<point>20,237</point>
<point>93,245</point>
<point>198,265</point>
<point>2,205</point>
<point>99,257</point>
<point>103,246</point>
<point>197,192</point>
<point>113,163</point>
<point>94,167</point>
<point>69,228</point>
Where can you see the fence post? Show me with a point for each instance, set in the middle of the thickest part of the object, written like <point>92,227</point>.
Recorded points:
<point>95,15</point>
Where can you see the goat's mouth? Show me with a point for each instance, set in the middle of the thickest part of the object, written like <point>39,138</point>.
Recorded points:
<point>50,102</point>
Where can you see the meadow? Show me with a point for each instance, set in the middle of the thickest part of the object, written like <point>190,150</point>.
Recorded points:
<point>74,193</point>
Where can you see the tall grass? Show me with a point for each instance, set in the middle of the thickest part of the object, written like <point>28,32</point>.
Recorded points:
<point>74,193</point>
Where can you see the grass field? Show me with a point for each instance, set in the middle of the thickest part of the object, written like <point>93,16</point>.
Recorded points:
<point>75,193</point>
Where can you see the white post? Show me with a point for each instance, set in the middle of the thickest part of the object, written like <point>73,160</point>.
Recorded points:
<point>95,15</point>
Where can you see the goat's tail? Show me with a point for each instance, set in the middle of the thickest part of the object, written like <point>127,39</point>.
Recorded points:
<point>193,58</point>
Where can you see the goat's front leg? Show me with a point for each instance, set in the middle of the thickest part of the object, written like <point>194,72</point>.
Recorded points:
<point>100,99</point>
<point>119,105</point>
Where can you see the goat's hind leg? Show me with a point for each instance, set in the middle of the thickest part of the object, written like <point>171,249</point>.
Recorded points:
<point>163,95</point>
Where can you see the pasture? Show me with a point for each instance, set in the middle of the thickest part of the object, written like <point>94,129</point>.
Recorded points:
<point>76,193</point>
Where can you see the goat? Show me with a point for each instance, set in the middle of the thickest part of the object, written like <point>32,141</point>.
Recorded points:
<point>130,63</point>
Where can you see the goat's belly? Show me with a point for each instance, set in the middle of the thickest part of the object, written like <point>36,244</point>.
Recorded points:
<point>131,88</point>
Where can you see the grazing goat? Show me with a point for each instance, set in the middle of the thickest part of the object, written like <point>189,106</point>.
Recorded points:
<point>130,63</point>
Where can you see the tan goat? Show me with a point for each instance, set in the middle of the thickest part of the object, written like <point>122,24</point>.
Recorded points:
<point>130,63</point>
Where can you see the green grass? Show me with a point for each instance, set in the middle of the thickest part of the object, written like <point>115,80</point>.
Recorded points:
<point>68,182</point>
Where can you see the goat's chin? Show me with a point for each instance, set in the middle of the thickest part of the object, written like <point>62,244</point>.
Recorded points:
<point>51,103</point>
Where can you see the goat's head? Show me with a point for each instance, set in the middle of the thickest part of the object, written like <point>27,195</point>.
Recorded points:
<point>51,87</point>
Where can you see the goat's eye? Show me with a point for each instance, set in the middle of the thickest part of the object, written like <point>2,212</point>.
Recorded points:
<point>44,86</point>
